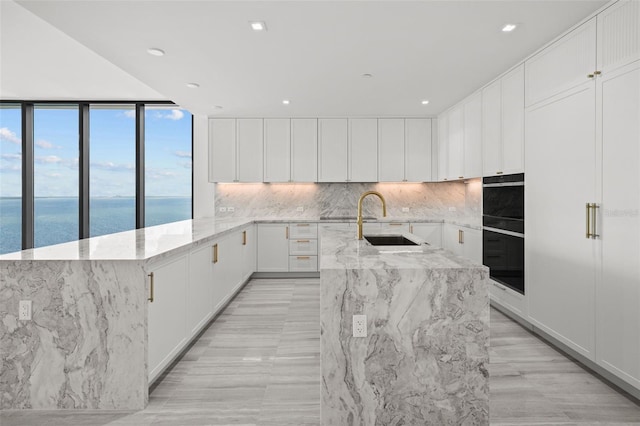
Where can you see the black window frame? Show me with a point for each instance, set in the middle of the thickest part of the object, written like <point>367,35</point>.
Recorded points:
<point>28,198</point>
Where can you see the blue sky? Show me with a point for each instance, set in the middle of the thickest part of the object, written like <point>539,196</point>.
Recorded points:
<point>112,152</point>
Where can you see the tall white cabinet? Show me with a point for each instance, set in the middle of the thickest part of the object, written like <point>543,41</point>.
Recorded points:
<point>332,149</point>
<point>583,146</point>
<point>235,150</point>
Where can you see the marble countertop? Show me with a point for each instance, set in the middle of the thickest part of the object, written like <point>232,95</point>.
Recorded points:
<point>340,251</point>
<point>147,243</point>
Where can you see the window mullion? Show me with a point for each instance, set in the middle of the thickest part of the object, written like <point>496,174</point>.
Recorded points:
<point>140,197</point>
<point>83,171</point>
<point>27,177</point>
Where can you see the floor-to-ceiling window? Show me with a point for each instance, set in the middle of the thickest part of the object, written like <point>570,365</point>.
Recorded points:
<point>168,165</point>
<point>112,168</point>
<point>10,177</point>
<point>86,167</point>
<point>55,173</point>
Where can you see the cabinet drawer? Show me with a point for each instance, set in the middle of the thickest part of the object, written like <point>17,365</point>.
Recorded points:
<point>394,227</point>
<point>303,263</point>
<point>303,246</point>
<point>303,230</point>
<point>508,298</point>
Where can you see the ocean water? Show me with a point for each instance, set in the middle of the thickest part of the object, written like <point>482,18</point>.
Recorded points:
<point>56,219</point>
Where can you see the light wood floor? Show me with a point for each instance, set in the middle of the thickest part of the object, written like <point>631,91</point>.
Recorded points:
<point>258,364</point>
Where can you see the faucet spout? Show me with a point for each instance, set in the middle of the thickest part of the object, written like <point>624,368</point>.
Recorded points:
<point>362,197</point>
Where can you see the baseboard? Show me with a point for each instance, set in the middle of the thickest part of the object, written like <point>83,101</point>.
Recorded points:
<point>286,275</point>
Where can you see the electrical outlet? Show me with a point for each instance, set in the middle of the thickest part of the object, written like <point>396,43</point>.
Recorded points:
<point>24,310</point>
<point>405,210</point>
<point>231,209</point>
<point>300,209</point>
<point>222,209</point>
<point>359,326</point>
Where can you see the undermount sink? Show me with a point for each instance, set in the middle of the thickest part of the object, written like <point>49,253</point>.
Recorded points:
<point>389,240</point>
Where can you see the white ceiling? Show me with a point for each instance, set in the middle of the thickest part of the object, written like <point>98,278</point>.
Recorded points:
<point>314,52</point>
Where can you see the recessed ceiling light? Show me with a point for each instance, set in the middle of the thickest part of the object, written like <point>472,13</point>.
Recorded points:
<point>286,101</point>
<point>425,102</point>
<point>193,85</point>
<point>155,51</point>
<point>367,75</point>
<point>258,26</point>
<point>509,27</point>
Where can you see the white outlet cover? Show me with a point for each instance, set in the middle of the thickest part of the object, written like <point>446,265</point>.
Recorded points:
<point>24,310</point>
<point>452,209</point>
<point>405,210</point>
<point>359,326</point>
<point>300,209</point>
<point>231,209</point>
<point>222,209</point>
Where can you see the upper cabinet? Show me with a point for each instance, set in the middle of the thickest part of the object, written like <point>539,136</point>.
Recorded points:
<point>304,150</point>
<point>570,62</point>
<point>277,150</point>
<point>235,150</point>
<point>503,124</point>
<point>363,150</point>
<point>332,149</point>
<point>618,35</point>
<point>391,149</point>
<point>443,141</point>
<point>473,136</point>
<point>418,144</point>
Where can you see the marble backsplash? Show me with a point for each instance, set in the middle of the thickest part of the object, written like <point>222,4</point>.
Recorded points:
<point>447,200</point>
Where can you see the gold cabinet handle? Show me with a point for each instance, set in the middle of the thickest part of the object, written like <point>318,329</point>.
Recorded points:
<point>150,288</point>
<point>215,253</point>
<point>460,177</point>
<point>395,224</point>
<point>594,232</point>
<point>588,233</point>
<point>287,232</point>
<point>499,173</point>
<point>303,257</point>
<point>302,224</point>
<point>303,241</point>
<point>597,73</point>
<point>411,228</point>
<point>461,236</point>
<point>590,75</point>
<point>244,238</point>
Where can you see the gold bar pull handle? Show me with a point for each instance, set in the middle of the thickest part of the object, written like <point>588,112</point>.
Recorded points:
<point>215,253</point>
<point>461,236</point>
<point>303,224</point>
<point>588,234</point>
<point>244,238</point>
<point>287,232</point>
<point>395,224</point>
<point>303,241</point>
<point>303,257</point>
<point>594,220</point>
<point>411,228</point>
<point>150,288</point>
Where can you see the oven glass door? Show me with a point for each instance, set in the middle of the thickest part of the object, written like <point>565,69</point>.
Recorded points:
<point>504,255</point>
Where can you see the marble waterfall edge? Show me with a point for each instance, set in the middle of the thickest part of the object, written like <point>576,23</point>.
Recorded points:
<point>425,359</point>
<point>85,344</point>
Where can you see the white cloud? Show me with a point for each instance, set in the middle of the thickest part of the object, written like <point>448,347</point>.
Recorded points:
<point>49,159</point>
<point>175,115</point>
<point>11,157</point>
<point>11,168</point>
<point>183,154</point>
<point>187,164</point>
<point>9,136</point>
<point>130,113</point>
<point>160,174</point>
<point>109,166</point>
<point>45,144</point>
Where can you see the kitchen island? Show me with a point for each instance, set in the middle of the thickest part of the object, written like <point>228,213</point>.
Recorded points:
<point>425,358</point>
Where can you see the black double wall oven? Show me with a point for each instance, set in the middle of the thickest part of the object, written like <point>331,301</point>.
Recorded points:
<point>503,229</point>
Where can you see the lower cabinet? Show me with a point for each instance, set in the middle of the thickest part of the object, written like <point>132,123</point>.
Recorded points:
<point>167,314</point>
<point>273,247</point>
<point>463,241</point>
<point>249,254</point>
<point>430,232</point>
<point>202,283</point>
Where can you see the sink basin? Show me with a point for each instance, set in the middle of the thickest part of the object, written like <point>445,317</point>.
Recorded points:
<point>389,240</point>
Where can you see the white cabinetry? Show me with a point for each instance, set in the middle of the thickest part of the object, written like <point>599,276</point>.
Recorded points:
<point>618,35</point>
<point>503,124</point>
<point>167,312</point>
<point>235,150</point>
<point>249,248</point>
<point>455,144</point>
<point>391,149</point>
<point>332,150</point>
<point>277,150</point>
<point>200,295</point>
<point>472,151</point>
<point>430,232</point>
<point>363,150</point>
<point>443,146</point>
<point>618,283</point>
<point>463,241</point>
<point>563,65</point>
<point>273,247</point>
<point>418,150</point>
<point>304,150</point>
<point>303,247</point>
